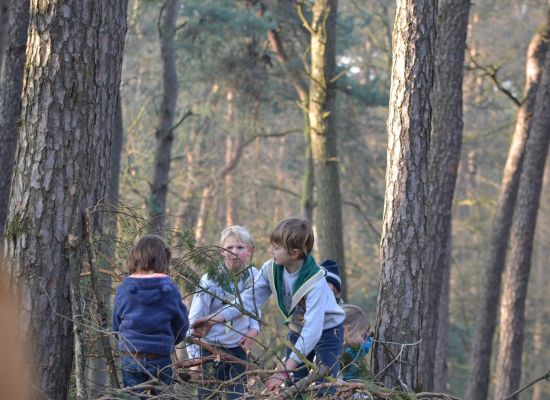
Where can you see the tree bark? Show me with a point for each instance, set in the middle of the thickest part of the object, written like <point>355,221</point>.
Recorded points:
<point>4,20</point>
<point>444,158</point>
<point>399,309</point>
<point>328,219</point>
<point>11,86</point>
<point>165,130</point>
<point>72,76</point>
<point>480,356</point>
<point>516,277</point>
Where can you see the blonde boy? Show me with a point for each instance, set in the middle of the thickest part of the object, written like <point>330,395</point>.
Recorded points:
<point>214,293</point>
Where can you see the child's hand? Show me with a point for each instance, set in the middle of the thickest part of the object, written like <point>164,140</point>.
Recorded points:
<point>202,326</point>
<point>274,382</point>
<point>248,339</point>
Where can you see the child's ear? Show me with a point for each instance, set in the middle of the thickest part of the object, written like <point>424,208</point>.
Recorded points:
<point>295,253</point>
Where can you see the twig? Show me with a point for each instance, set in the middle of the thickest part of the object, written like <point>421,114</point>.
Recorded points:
<point>540,378</point>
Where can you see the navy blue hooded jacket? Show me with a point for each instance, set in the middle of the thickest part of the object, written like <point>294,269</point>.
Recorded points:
<point>149,315</point>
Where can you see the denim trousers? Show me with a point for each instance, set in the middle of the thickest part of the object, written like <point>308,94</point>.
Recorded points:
<point>326,352</point>
<point>224,371</point>
<point>136,370</point>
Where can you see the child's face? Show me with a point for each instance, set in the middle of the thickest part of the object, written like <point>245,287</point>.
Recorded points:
<point>281,254</point>
<point>238,255</point>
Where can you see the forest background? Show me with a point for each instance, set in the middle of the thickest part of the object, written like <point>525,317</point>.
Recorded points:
<point>239,154</point>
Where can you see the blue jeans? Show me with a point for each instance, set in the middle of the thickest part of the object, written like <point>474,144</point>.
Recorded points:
<point>134,370</point>
<point>326,352</point>
<point>224,371</point>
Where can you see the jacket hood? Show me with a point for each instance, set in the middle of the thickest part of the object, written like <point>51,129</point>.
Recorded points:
<point>148,290</point>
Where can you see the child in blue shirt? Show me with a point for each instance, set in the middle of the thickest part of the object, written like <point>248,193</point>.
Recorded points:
<point>213,295</point>
<point>303,297</point>
<point>149,316</point>
<point>357,344</point>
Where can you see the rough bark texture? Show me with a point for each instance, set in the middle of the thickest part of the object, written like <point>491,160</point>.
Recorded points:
<point>4,15</point>
<point>11,85</point>
<point>165,131</point>
<point>399,310</point>
<point>441,367</point>
<point>480,357</point>
<point>328,213</point>
<point>72,77</point>
<point>516,277</point>
<point>444,157</point>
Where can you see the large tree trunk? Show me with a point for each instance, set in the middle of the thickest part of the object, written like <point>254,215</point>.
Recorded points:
<point>11,86</point>
<point>486,316</point>
<point>399,311</point>
<point>165,130</point>
<point>328,213</point>
<point>444,157</point>
<point>68,108</point>
<point>4,20</point>
<point>516,277</point>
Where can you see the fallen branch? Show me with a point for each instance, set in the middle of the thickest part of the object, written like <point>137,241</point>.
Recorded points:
<point>540,378</point>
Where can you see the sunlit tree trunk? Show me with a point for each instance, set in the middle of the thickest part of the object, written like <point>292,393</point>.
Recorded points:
<point>444,157</point>
<point>328,212</point>
<point>62,163</point>
<point>165,130</point>
<point>230,124</point>
<point>486,315</point>
<point>399,309</point>
<point>11,86</point>
<point>516,276</point>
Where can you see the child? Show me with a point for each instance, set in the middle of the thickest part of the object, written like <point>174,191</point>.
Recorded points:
<point>303,297</point>
<point>236,337</point>
<point>332,275</point>
<point>357,343</point>
<point>149,315</point>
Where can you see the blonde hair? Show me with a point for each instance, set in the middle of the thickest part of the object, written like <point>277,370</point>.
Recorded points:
<point>356,324</point>
<point>149,254</point>
<point>294,233</point>
<point>239,232</point>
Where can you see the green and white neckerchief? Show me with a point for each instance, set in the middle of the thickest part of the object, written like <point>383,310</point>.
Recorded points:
<point>308,276</point>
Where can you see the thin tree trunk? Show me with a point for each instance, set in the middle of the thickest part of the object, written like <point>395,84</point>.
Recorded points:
<point>328,220</point>
<point>480,356</point>
<point>61,167</point>
<point>441,368</point>
<point>203,214</point>
<point>165,130</point>
<point>444,157</point>
<point>230,123</point>
<point>11,86</point>
<point>541,280</point>
<point>399,309</point>
<point>516,277</point>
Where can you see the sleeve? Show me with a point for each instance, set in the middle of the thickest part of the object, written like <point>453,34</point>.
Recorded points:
<point>252,298</point>
<point>116,316</point>
<point>180,323</point>
<point>200,307</point>
<point>252,322</point>
<point>316,304</point>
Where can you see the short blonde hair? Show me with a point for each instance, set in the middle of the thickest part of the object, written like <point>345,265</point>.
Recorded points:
<point>294,233</point>
<point>239,232</point>
<point>149,254</point>
<point>356,324</point>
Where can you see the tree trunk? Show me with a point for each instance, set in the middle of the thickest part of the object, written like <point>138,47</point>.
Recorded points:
<point>67,117</point>
<point>541,280</point>
<point>4,20</point>
<point>324,152</point>
<point>480,357</point>
<point>11,86</point>
<point>96,367</point>
<point>399,309</point>
<point>442,343</point>
<point>230,123</point>
<point>165,130</point>
<point>444,157</point>
<point>516,277</point>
